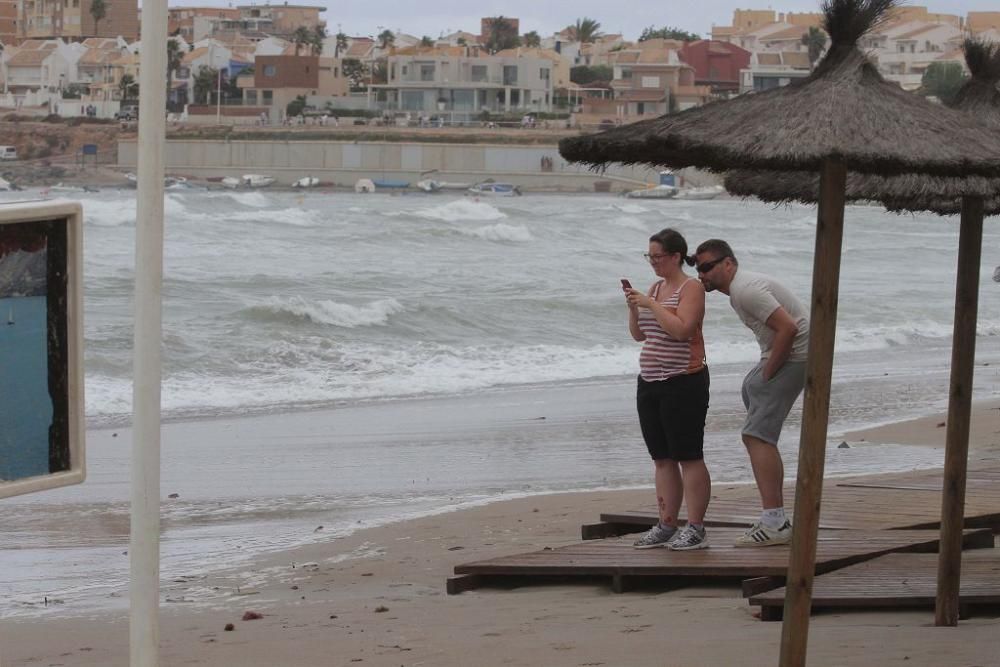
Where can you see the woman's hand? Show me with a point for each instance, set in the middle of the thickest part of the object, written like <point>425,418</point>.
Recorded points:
<point>637,299</point>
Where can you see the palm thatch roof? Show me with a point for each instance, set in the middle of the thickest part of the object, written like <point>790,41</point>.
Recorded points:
<point>843,110</point>
<point>978,97</point>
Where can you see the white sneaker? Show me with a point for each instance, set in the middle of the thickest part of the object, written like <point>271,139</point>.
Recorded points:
<point>689,539</point>
<point>657,536</point>
<point>759,535</point>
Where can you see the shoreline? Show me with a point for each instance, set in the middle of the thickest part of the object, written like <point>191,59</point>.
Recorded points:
<point>376,597</point>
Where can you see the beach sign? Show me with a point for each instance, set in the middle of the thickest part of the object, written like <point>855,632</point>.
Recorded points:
<point>41,346</point>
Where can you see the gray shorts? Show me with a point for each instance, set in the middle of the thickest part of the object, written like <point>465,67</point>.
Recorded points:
<point>768,403</point>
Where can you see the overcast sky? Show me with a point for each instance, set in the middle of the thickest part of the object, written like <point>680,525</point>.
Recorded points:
<point>629,17</point>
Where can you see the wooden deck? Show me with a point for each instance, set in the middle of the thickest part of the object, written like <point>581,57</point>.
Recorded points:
<point>897,580</point>
<point>909,500</point>
<point>615,559</point>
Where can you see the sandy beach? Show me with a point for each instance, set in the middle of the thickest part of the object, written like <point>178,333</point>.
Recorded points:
<point>377,597</point>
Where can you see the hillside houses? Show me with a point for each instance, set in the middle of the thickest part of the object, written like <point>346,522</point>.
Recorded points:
<point>455,77</point>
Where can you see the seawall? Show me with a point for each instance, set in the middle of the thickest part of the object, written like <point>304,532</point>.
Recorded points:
<point>533,167</point>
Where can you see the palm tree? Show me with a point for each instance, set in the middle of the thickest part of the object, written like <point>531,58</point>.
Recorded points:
<point>301,37</point>
<point>128,87</point>
<point>815,42</point>
<point>532,39</point>
<point>341,44</point>
<point>585,30</point>
<point>318,36</point>
<point>98,10</point>
<point>501,34</point>
<point>426,41</point>
<point>386,39</point>
<point>174,59</point>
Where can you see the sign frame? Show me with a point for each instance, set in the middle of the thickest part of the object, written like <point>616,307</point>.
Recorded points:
<point>27,212</point>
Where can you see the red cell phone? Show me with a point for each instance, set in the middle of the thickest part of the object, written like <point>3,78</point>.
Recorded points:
<point>626,285</point>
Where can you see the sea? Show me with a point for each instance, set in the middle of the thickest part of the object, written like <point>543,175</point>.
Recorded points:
<point>333,361</point>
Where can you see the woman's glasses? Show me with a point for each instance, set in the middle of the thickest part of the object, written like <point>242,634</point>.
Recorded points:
<point>653,259</point>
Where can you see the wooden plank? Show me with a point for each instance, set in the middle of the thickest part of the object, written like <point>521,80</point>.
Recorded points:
<point>898,580</point>
<point>616,557</point>
<point>456,585</point>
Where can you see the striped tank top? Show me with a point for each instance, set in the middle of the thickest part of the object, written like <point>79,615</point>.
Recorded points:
<point>662,355</point>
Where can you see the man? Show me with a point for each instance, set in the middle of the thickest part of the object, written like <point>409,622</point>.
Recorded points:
<point>781,325</point>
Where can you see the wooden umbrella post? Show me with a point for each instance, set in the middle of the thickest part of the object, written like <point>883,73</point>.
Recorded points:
<point>956,455</point>
<point>815,411</point>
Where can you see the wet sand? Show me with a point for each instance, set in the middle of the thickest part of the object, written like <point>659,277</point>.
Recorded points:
<point>377,597</point>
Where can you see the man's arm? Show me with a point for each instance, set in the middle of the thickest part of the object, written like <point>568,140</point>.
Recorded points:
<point>785,330</point>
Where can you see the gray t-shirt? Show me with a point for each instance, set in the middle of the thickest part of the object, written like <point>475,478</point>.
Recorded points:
<point>755,297</point>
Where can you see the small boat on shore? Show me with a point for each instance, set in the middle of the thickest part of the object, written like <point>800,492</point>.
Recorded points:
<point>390,183</point>
<point>655,192</point>
<point>491,189</point>
<point>364,186</point>
<point>248,181</point>
<point>700,194</point>
<point>306,182</point>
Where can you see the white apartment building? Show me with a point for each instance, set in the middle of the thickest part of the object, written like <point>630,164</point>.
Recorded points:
<point>905,51</point>
<point>440,82</point>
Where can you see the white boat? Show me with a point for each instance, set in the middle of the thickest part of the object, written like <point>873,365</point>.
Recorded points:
<point>655,192</point>
<point>231,182</point>
<point>10,316</point>
<point>306,182</point>
<point>4,184</point>
<point>364,185</point>
<point>695,194</point>
<point>490,189</point>
<point>257,180</point>
<point>429,185</point>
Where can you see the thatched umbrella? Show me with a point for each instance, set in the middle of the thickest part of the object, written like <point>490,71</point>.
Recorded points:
<point>843,116</point>
<point>978,97</point>
<point>972,197</point>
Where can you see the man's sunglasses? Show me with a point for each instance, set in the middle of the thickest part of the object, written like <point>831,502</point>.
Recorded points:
<point>705,267</point>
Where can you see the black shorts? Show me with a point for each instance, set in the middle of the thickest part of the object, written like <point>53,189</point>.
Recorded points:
<point>672,415</point>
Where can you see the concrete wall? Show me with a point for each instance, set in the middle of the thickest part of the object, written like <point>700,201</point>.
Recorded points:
<point>345,162</point>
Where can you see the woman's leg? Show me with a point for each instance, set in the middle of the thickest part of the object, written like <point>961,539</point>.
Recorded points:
<point>669,490</point>
<point>697,489</point>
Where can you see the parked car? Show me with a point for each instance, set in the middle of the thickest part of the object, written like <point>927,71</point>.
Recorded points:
<point>128,112</point>
<point>8,153</point>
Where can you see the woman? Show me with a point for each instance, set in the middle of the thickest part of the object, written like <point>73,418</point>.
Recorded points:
<point>672,397</point>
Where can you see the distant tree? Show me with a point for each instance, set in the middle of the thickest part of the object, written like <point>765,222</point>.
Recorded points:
<point>815,42</point>
<point>301,37</point>
<point>380,71</point>
<point>295,107</point>
<point>386,39</point>
<point>585,30</point>
<point>341,44</point>
<point>356,73</point>
<point>175,57</point>
<point>583,74</point>
<point>942,80</point>
<point>316,40</point>
<point>501,34</point>
<point>128,87</point>
<point>461,41</point>
<point>426,41</point>
<point>206,82</point>
<point>668,32</point>
<point>532,40</point>
<point>98,10</point>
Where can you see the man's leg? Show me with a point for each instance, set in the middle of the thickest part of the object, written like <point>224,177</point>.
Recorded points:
<point>768,471</point>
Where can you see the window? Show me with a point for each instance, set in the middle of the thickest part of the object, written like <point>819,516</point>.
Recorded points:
<point>626,74</point>
<point>268,97</point>
<point>404,70</point>
<point>479,73</point>
<point>510,75</point>
<point>251,97</point>
<point>268,70</point>
<point>427,72</point>
<point>543,73</point>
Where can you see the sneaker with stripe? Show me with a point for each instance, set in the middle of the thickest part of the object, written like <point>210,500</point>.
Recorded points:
<point>759,535</point>
<point>657,536</point>
<point>689,539</point>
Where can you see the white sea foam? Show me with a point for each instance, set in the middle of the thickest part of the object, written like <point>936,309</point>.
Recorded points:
<point>332,312</point>
<point>252,199</point>
<point>501,232</point>
<point>631,208</point>
<point>461,210</point>
<point>629,222</point>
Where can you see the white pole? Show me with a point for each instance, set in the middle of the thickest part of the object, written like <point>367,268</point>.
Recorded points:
<point>144,541</point>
